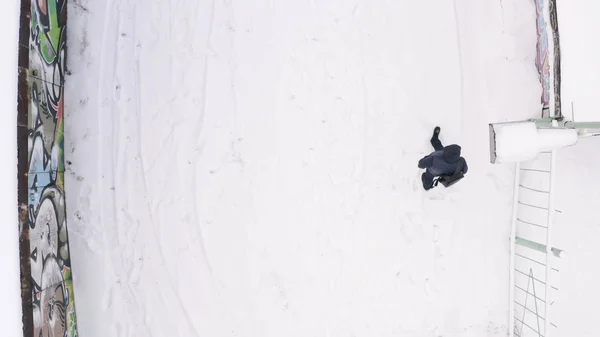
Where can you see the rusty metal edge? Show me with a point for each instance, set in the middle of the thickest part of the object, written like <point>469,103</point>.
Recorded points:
<point>22,165</point>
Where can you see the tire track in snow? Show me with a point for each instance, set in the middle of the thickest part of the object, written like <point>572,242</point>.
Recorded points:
<point>174,288</point>
<point>105,161</point>
<point>173,16</point>
<point>114,297</point>
<point>460,61</point>
<point>125,226</point>
<point>199,130</point>
<point>139,212</point>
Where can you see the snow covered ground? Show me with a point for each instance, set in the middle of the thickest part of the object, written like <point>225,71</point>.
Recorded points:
<point>248,168</point>
<point>576,231</point>
<point>578,190</point>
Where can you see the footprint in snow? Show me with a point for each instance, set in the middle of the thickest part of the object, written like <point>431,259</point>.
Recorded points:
<point>436,233</point>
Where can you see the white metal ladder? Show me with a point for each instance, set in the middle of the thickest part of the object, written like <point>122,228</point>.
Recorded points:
<point>532,257</point>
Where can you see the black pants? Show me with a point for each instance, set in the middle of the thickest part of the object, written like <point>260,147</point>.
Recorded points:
<point>437,145</point>
<point>426,177</point>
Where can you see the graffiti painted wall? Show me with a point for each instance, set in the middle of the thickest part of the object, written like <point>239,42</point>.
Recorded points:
<point>548,59</point>
<point>51,309</point>
<point>542,59</point>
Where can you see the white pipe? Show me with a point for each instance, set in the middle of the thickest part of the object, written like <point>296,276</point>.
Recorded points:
<point>513,234</point>
<point>549,223</point>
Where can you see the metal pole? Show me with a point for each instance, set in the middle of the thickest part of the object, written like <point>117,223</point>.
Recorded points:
<point>538,246</point>
<point>513,234</point>
<point>582,125</point>
<point>550,221</point>
<point>547,122</point>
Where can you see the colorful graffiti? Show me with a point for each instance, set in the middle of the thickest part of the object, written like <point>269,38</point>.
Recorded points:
<point>556,58</point>
<point>52,302</point>
<point>542,60</point>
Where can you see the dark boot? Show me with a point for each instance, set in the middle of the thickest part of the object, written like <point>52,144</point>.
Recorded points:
<point>427,180</point>
<point>435,139</point>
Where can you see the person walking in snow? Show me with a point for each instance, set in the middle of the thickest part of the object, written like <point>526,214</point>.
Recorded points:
<point>444,164</point>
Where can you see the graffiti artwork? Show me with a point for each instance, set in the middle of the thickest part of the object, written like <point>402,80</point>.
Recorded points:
<point>542,61</point>
<point>51,282</point>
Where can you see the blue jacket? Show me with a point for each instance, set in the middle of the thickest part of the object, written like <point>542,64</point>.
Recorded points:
<point>444,162</point>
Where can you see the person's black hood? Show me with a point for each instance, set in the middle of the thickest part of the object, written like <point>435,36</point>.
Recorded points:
<point>451,153</point>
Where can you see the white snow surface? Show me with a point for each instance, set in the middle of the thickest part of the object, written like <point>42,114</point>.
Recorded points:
<point>576,230</point>
<point>515,141</point>
<point>10,312</point>
<point>523,141</point>
<point>555,138</point>
<point>249,168</point>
